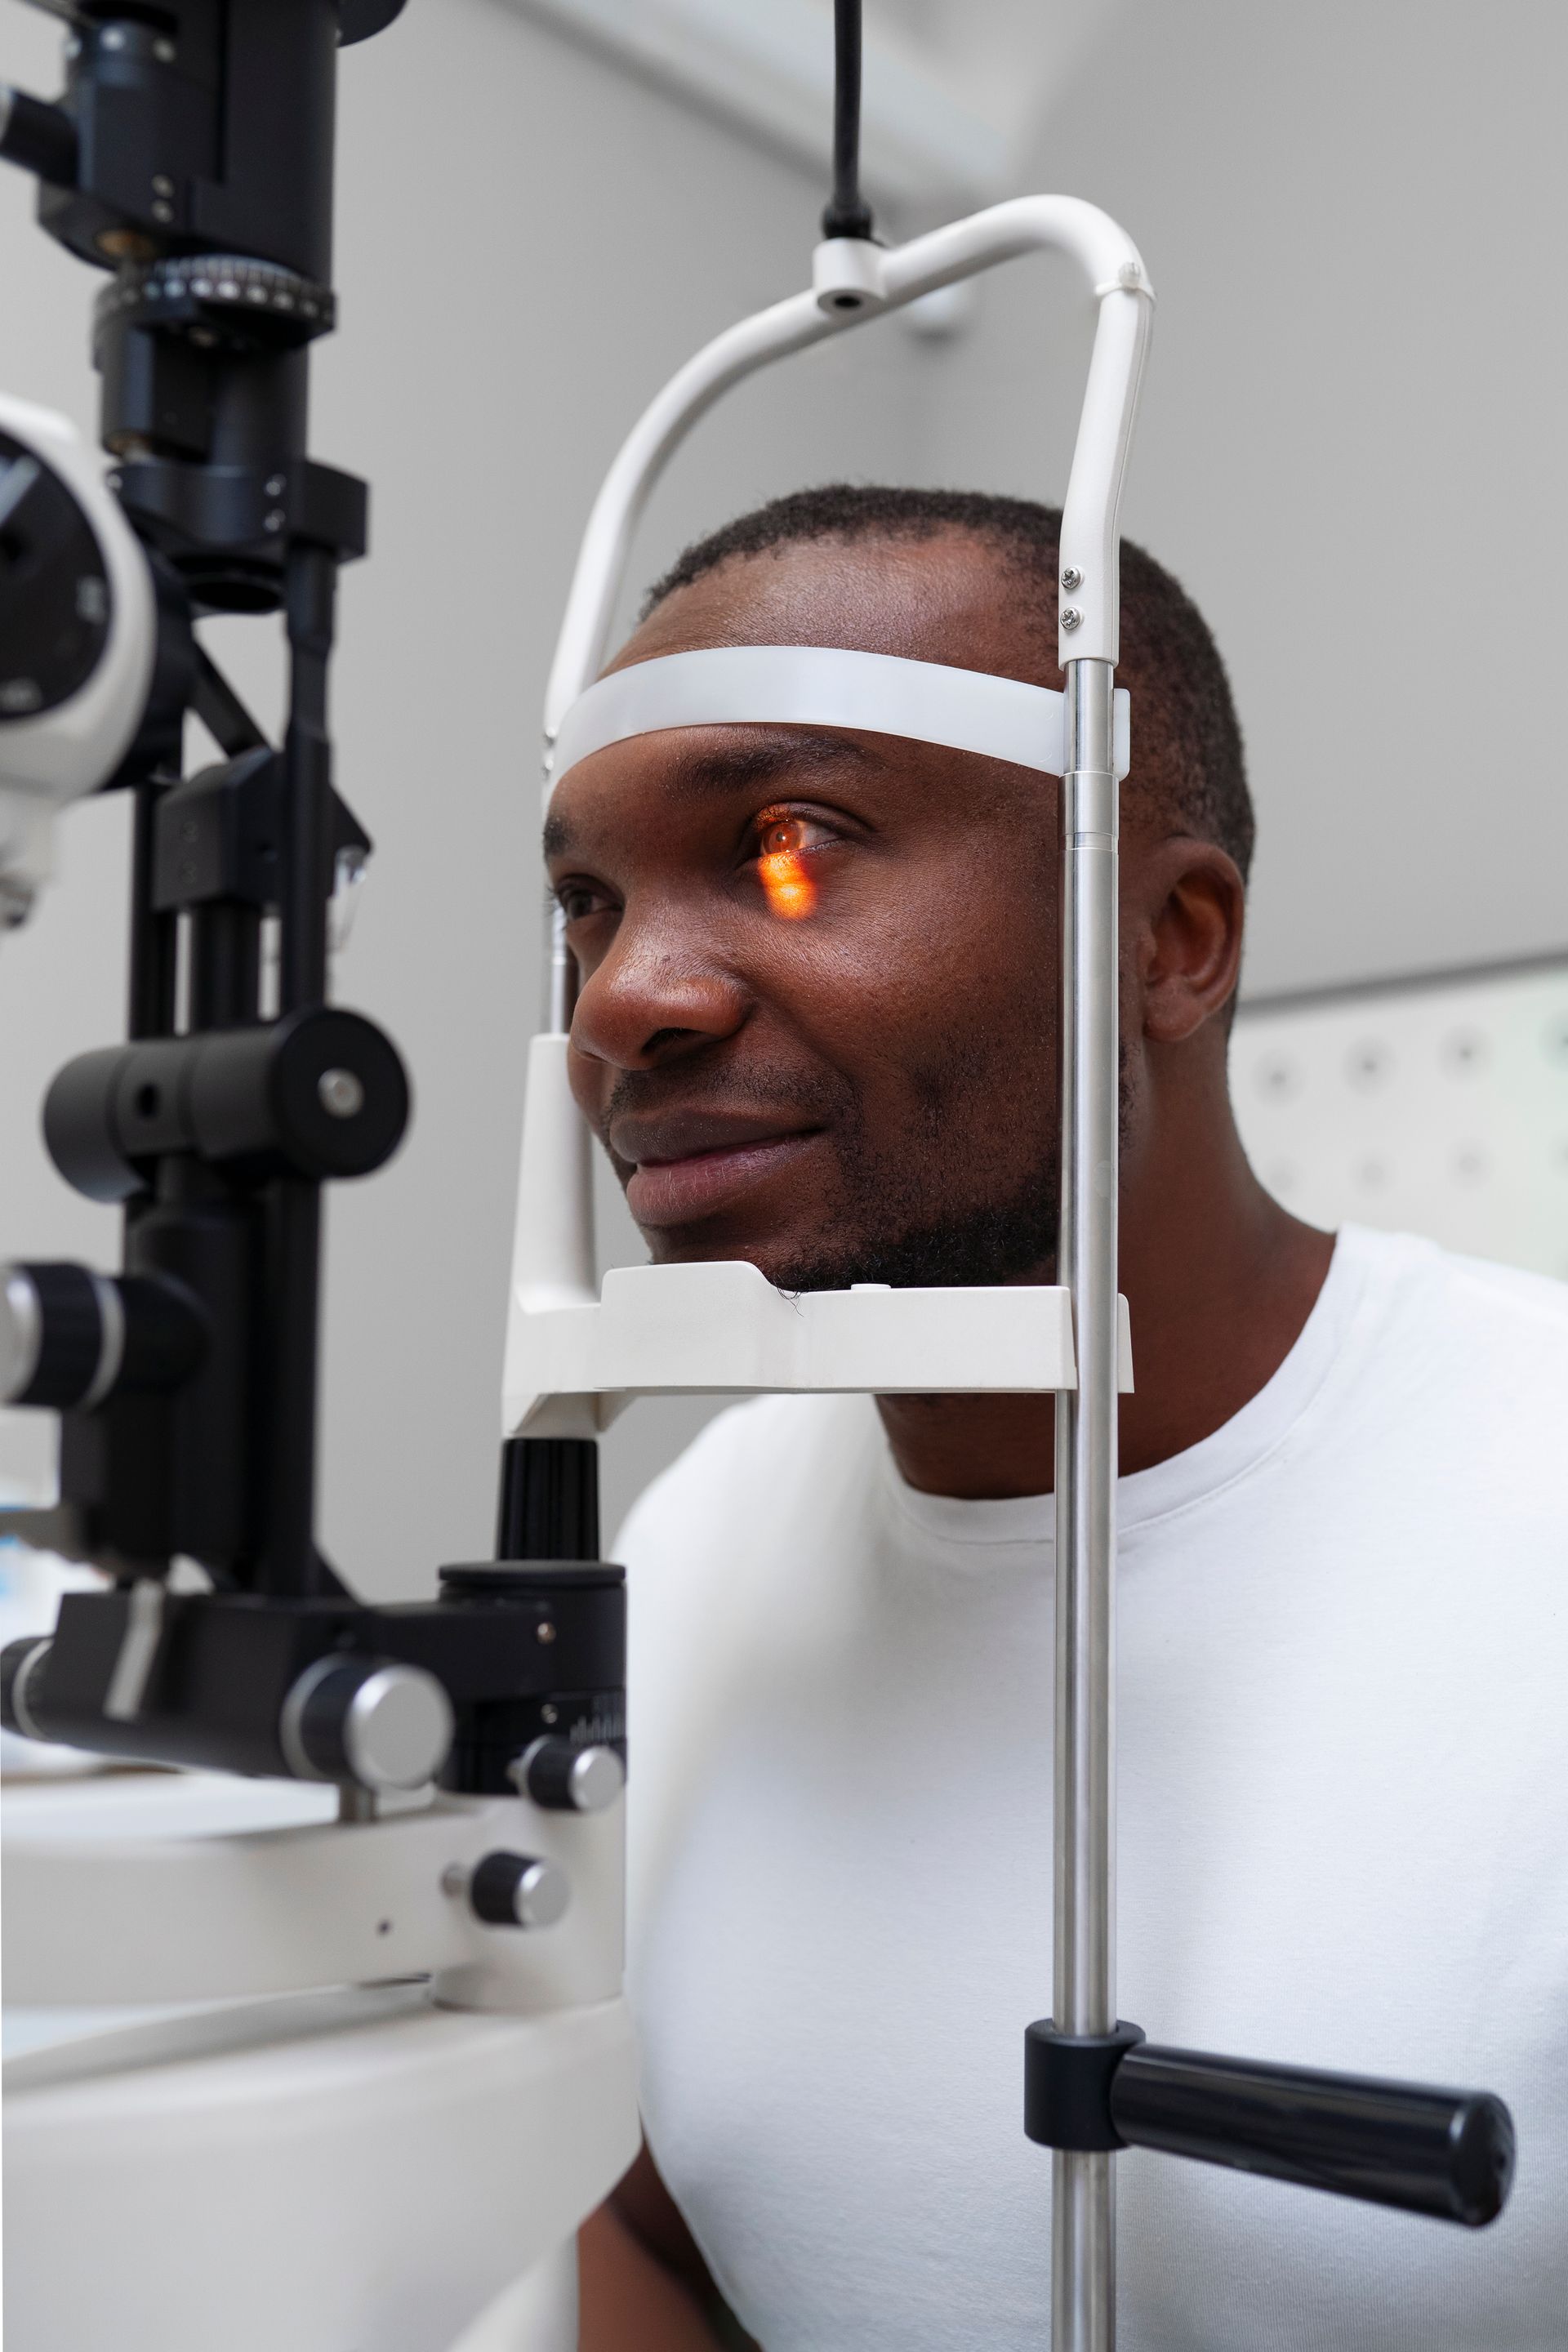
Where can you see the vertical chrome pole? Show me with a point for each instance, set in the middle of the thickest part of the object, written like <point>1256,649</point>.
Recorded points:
<point>560,978</point>
<point>1083,2243</point>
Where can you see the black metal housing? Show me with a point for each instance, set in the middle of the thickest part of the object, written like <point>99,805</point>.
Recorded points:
<point>191,155</point>
<point>254,1101</point>
<point>520,1655</point>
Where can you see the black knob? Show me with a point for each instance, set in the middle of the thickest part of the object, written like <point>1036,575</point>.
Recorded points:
<point>62,1331</point>
<point>369,1721</point>
<point>567,1779</point>
<point>518,1890</point>
<point>21,1665</point>
<point>69,1338</point>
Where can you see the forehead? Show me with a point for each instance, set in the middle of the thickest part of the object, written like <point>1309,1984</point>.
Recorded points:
<point>949,597</point>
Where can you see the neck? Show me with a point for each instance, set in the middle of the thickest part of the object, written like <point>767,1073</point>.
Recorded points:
<point>1219,1280</point>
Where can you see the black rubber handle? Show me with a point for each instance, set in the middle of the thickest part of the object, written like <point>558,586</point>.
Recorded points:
<point>1447,2153</point>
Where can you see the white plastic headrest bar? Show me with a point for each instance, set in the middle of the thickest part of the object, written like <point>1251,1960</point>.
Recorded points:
<point>821,686</point>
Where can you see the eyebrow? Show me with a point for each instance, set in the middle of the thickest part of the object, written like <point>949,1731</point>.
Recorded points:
<point>710,775</point>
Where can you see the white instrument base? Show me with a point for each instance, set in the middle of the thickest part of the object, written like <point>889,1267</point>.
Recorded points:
<point>358,2172</point>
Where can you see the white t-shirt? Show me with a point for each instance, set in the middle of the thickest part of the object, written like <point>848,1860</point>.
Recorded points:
<point>1344,1838</point>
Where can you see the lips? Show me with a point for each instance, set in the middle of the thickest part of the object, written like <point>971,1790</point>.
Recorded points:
<point>687,1166</point>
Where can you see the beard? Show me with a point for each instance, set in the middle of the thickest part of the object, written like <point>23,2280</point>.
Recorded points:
<point>888,1225</point>
<point>968,1194</point>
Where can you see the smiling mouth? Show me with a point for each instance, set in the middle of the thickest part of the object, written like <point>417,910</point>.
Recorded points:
<point>679,1191</point>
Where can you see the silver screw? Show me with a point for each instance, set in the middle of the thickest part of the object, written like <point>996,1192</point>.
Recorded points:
<point>162,211</point>
<point>1071,617</point>
<point>162,184</point>
<point>276,486</point>
<point>342,1094</point>
<point>1072,578</point>
<point>275,520</point>
<point>164,52</point>
<point>114,38</point>
<point>550,1713</point>
<point>544,1632</point>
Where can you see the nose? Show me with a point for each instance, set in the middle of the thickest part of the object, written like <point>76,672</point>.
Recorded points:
<point>654,998</point>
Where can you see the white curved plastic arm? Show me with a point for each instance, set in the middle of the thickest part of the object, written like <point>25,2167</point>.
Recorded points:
<point>855,281</point>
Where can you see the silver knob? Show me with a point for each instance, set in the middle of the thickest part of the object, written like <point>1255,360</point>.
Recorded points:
<point>397,1729</point>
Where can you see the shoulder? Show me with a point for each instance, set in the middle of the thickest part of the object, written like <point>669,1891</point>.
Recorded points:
<point>1457,1368</point>
<point>1469,1300</point>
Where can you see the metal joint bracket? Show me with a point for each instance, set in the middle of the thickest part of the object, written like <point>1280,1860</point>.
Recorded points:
<point>847,276</point>
<point>1090,819</point>
<point>1067,2085</point>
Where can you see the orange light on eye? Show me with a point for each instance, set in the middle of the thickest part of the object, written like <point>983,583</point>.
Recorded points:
<point>791,891</point>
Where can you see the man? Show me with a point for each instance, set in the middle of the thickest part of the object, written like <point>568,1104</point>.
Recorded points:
<point>1343,1622</point>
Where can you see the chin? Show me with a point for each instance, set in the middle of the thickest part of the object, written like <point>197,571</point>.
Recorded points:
<point>674,1247</point>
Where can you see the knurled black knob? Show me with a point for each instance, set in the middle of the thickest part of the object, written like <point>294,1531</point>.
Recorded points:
<point>567,1779</point>
<point>518,1890</point>
<point>22,1665</point>
<point>374,1722</point>
<point>62,1333</point>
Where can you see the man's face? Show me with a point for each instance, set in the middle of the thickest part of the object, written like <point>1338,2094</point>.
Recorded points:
<point>816,1026</point>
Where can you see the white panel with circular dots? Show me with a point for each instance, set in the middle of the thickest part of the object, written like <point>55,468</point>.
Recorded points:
<point>1437,1106</point>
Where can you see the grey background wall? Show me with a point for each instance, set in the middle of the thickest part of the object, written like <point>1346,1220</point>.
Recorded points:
<point>1349,451</point>
<point>1352,446</point>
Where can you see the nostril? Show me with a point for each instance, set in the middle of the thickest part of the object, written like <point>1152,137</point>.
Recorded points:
<point>662,1039</point>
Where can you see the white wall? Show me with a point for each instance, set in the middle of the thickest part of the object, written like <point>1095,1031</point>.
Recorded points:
<point>1352,446</point>
<point>528,245</point>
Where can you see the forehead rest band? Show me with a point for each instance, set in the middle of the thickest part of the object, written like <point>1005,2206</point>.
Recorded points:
<point>821,686</point>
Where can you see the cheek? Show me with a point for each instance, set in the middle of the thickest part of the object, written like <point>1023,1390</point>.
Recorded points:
<point>950,966</point>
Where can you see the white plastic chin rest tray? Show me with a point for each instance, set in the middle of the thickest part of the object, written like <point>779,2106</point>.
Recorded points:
<point>708,1329</point>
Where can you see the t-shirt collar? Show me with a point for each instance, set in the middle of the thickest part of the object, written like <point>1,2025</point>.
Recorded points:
<point>1233,1451</point>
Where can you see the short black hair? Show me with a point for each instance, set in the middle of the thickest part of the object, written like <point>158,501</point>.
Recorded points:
<point>1189,765</point>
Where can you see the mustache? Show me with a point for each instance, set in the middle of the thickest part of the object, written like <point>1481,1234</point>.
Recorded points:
<point>822,1098</point>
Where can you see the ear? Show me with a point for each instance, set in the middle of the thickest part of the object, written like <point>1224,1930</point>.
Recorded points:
<point>1186,918</point>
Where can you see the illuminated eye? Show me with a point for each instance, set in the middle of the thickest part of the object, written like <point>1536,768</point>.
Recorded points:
<point>782,840</point>
<point>783,837</point>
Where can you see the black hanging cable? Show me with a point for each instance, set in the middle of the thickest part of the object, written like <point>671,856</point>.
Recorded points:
<point>848,213</point>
